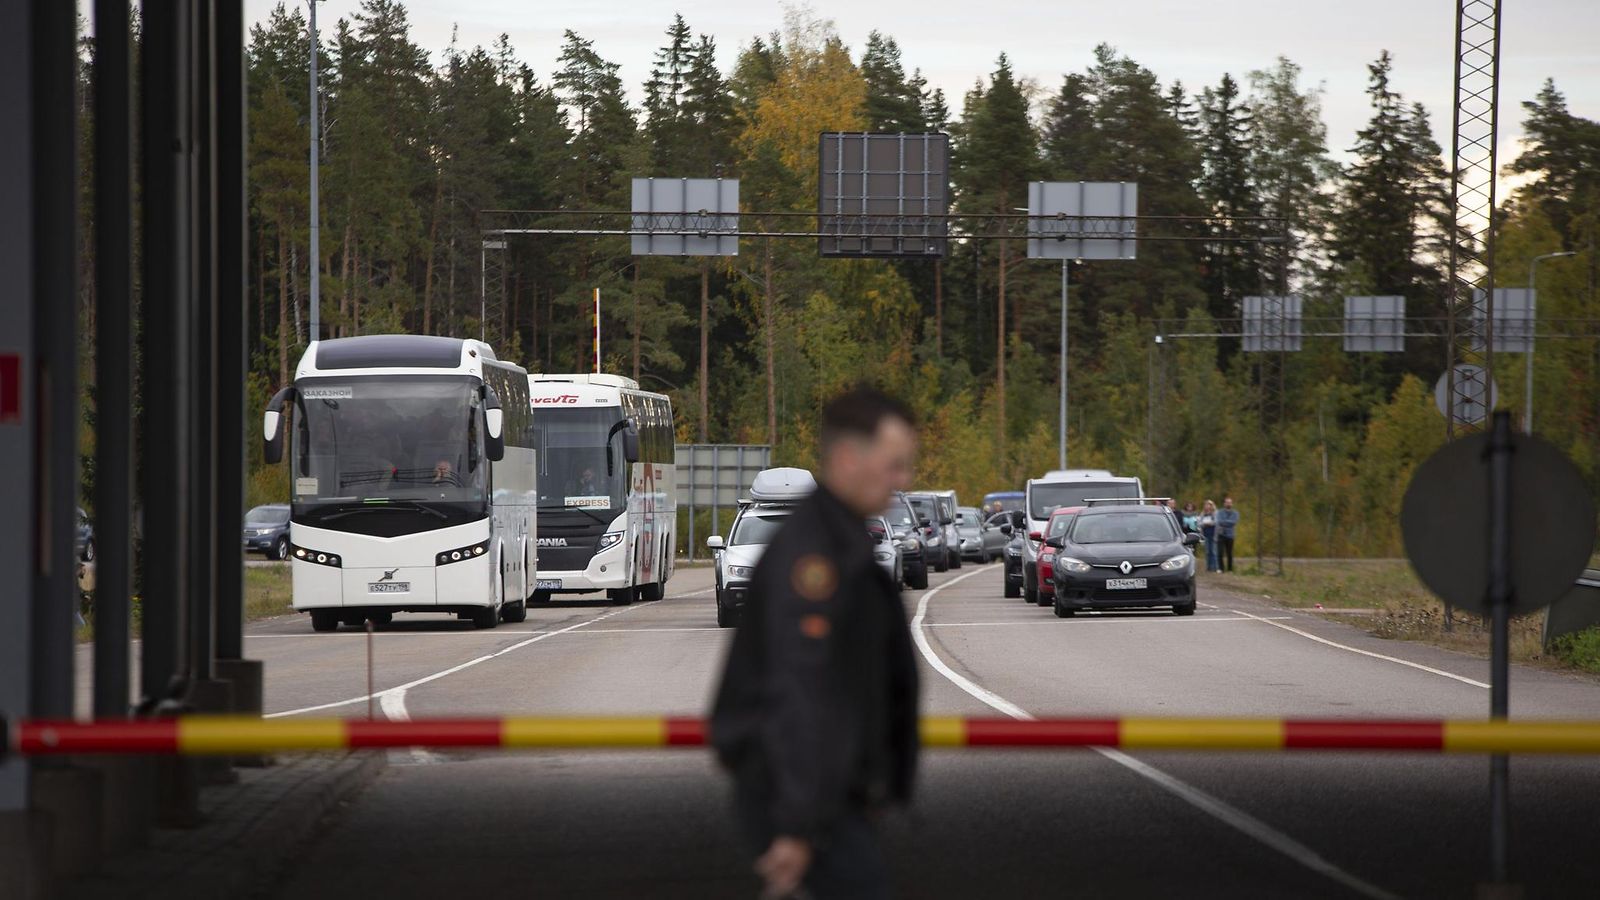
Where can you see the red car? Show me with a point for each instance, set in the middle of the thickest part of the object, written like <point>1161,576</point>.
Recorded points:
<point>1054,527</point>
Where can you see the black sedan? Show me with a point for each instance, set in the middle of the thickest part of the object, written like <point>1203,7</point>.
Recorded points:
<point>1010,525</point>
<point>1115,557</point>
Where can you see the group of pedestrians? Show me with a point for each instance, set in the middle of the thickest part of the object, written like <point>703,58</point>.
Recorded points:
<point>1216,526</point>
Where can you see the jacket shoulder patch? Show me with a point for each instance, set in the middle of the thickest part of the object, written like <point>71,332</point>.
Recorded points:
<point>814,577</point>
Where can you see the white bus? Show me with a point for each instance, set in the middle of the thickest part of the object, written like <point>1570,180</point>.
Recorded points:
<point>608,515</point>
<point>412,482</point>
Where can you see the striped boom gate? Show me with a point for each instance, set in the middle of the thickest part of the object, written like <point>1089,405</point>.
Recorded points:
<point>226,735</point>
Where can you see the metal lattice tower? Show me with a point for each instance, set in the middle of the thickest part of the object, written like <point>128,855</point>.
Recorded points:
<point>492,291</point>
<point>1472,200</point>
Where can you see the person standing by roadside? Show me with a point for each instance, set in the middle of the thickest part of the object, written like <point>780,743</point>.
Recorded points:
<point>1227,527</point>
<point>1208,530</point>
<point>816,713</point>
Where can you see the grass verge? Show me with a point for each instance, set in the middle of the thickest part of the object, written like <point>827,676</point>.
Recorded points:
<point>1384,597</point>
<point>268,592</point>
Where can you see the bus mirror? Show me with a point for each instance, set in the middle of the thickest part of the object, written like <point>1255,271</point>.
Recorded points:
<point>630,444</point>
<point>272,427</point>
<point>494,444</point>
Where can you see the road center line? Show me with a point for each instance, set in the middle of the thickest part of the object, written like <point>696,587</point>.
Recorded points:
<point>399,704</point>
<point>1235,818</point>
<point>1394,659</point>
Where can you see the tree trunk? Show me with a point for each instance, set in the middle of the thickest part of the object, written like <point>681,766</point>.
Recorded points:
<point>450,297</point>
<point>427,277</point>
<point>772,387</point>
<point>283,311</point>
<point>637,302</point>
<point>938,308</point>
<point>344,276</point>
<point>294,292</point>
<point>261,283</point>
<point>365,281</point>
<point>705,351</point>
<point>1000,355</point>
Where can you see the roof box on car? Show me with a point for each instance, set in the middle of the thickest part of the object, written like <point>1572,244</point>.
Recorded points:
<point>781,485</point>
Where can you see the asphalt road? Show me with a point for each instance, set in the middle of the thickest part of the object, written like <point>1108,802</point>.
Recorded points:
<point>987,823</point>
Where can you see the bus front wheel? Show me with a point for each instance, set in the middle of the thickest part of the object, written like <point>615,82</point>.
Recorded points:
<point>324,619</point>
<point>622,596</point>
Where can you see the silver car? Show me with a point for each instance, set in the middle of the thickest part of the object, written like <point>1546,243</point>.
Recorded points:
<point>885,549</point>
<point>981,540</point>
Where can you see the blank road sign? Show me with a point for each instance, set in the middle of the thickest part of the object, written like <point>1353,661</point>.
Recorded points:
<point>1082,219</point>
<point>1272,323</point>
<point>686,216</point>
<point>1374,324</point>
<point>884,195</point>
<point>1513,319</point>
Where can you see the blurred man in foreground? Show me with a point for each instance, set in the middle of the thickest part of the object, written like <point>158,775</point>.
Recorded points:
<point>816,715</point>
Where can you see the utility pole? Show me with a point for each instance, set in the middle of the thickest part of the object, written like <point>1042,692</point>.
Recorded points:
<point>315,263</point>
<point>1533,299</point>
<point>1061,454</point>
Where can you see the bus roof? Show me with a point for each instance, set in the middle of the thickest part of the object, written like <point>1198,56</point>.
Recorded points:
<point>388,352</point>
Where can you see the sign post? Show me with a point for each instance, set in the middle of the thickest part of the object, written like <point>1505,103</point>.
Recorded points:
<point>1530,505</point>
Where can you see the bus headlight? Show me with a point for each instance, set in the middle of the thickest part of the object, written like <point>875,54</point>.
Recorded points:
<point>317,557</point>
<point>608,540</point>
<point>461,554</point>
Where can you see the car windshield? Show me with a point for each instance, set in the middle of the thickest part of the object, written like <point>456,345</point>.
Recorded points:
<point>927,508</point>
<point>755,528</point>
<point>1058,525</point>
<point>899,516</point>
<point>1123,528</point>
<point>967,517</point>
<point>267,515</point>
<point>1044,499</point>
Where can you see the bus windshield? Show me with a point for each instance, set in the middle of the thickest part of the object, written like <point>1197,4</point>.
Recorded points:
<point>572,459</point>
<point>391,442</point>
<point>1044,499</point>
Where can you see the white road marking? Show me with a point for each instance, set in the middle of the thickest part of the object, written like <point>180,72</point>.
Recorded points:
<point>401,689</point>
<point>1223,812</point>
<point>498,632</point>
<point>1394,659</point>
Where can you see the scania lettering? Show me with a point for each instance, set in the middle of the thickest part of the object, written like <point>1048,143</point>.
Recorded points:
<point>413,480</point>
<point>607,488</point>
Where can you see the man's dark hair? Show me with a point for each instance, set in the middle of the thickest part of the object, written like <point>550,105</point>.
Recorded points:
<point>859,412</point>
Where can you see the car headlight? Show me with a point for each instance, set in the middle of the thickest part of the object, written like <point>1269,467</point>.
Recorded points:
<point>608,540</point>
<point>935,541</point>
<point>1177,562</point>
<point>908,544</point>
<point>883,555</point>
<point>741,571</point>
<point>1047,556</point>
<point>1067,563</point>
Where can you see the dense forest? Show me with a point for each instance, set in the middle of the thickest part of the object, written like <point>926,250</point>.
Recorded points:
<point>418,142</point>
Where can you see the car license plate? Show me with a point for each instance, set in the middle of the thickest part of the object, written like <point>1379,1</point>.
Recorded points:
<point>547,584</point>
<point>389,587</point>
<point>1125,584</point>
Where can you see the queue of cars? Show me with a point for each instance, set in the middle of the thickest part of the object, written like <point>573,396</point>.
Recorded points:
<point>1086,539</point>
<point>921,531</point>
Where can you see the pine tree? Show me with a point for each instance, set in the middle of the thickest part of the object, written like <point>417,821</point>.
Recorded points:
<point>1068,133</point>
<point>893,103</point>
<point>667,127</point>
<point>1290,165</point>
<point>1226,186</point>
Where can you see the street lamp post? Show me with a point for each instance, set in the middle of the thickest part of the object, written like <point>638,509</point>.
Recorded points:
<point>1533,289</point>
<point>1062,451</point>
<point>316,212</point>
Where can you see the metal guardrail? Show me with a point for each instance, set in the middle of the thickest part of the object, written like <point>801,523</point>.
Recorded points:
<point>232,735</point>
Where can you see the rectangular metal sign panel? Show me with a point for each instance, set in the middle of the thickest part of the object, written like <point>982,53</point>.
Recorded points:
<point>1374,324</point>
<point>1514,318</point>
<point>686,216</point>
<point>718,474</point>
<point>1272,323</point>
<point>1082,219</point>
<point>883,195</point>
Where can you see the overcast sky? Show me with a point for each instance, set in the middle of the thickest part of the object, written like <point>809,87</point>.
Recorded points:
<point>1196,41</point>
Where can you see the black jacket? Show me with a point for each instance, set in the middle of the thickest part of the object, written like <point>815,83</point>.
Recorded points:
<point>818,701</point>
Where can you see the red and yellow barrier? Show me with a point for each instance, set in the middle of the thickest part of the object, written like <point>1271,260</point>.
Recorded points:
<point>228,735</point>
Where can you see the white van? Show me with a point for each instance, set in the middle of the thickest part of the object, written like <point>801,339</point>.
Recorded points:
<point>1055,490</point>
<point>773,495</point>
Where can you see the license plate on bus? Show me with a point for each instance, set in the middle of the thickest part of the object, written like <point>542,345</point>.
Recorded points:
<point>547,584</point>
<point>389,587</point>
<point>1126,584</point>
